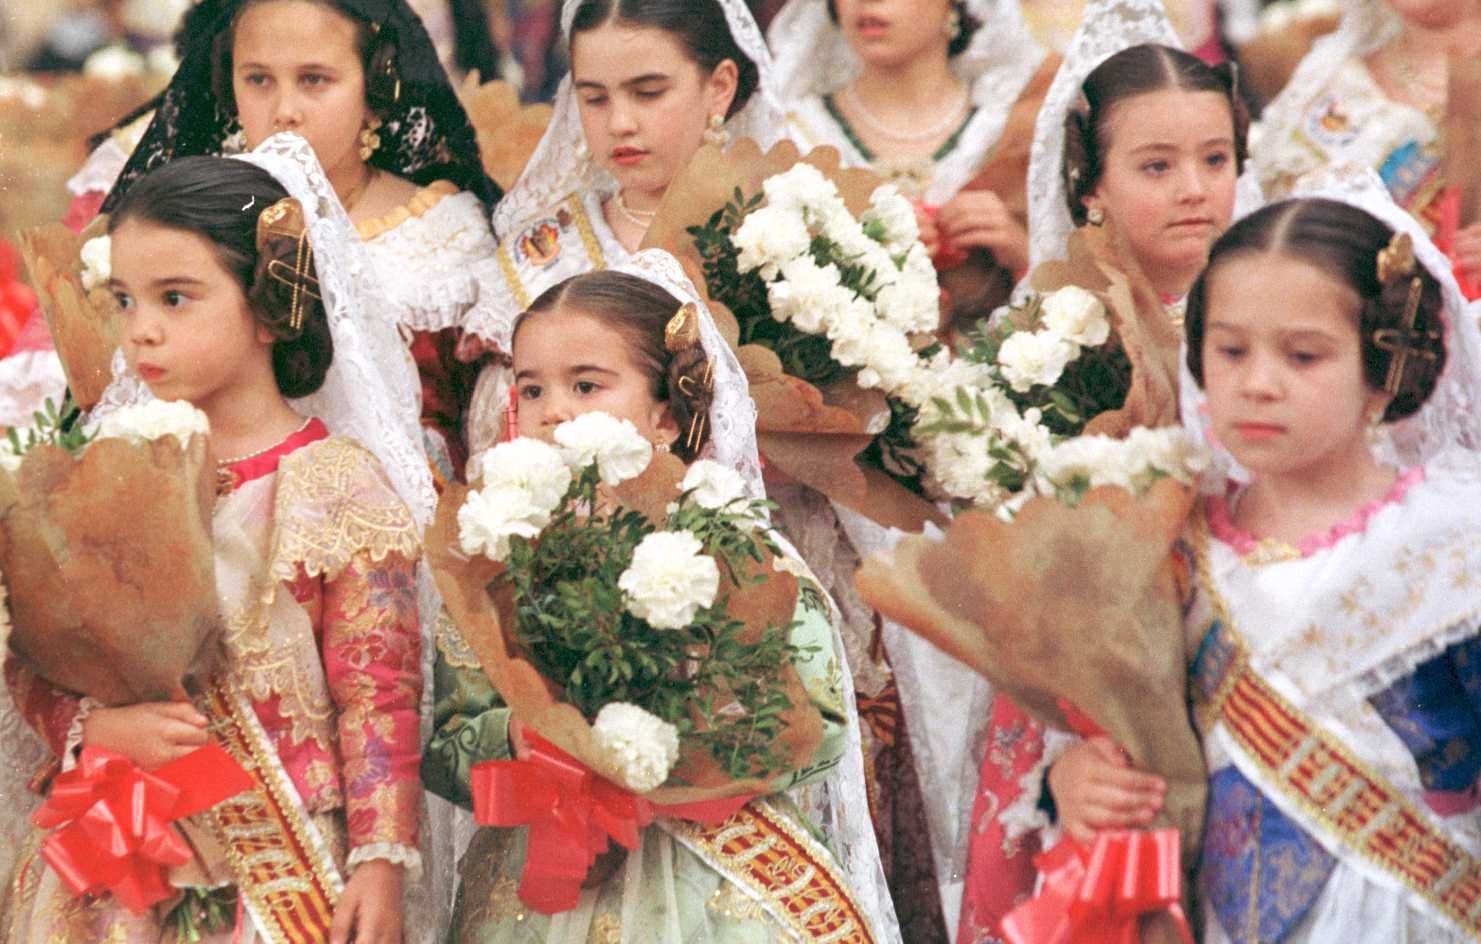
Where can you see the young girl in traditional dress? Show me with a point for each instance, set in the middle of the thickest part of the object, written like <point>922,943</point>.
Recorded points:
<point>650,82</point>
<point>597,342</point>
<point>1137,155</point>
<point>1332,607</point>
<point>361,81</point>
<point>239,295</point>
<point>938,98</point>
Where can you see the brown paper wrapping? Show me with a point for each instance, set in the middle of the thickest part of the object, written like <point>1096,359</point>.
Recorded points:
<point>109,566</point>
<point>806,434</point>
<point>508,132</point>
<point>1075,603</point>
<point>84,325</point>
<point>482,607</point>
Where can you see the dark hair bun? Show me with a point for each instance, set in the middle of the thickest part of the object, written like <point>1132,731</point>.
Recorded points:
<point>301,355</point>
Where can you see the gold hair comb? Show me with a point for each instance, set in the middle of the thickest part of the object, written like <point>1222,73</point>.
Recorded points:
<point>682,331</point>
<point>1396,261</point>
<point>285,219</point>
<point>692,389</point>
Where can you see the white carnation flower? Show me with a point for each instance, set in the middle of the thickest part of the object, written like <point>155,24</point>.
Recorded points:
<point>531,465</point>
<point>714,486</point>
<point>638,746</point>
<point>155,420</point>
<point>97,267</point>
<point>1076,315</point>
<point>491,516</point>
<point>615,445</point>
<point>808,295</point>
<point>669,580</point>
<point>800,187</point>
<point>768,238</point>
<point>1032,358</point>
<point>896,215</point>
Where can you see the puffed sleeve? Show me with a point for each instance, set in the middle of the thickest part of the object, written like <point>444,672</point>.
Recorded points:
<point>1436,712</point>
<point>470,724</point>
<point>371,649</point>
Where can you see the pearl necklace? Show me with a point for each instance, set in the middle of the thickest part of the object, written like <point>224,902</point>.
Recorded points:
<point>639,218</point>
<point>945,124</point>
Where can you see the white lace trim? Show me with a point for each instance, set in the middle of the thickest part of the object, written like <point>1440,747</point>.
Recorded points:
<point>1404,664</point>
<point>440,272</point>
<point>1023,816</point>
<point>101,169</point>
<point>393,852</point>
<point>73,744</point>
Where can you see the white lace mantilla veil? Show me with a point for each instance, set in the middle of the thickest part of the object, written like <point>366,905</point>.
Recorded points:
<point>561,164</point>
<point>1106,28</point>
<point>370,394</point>
<point>813,58</point>
<point>839,805</point>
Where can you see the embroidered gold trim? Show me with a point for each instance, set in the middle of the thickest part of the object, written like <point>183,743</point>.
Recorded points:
<point>781,868</point>
<point>1335,789</point>
<point>332,502</point>
<point>588,234</point>
<point>281,865</point>
<point>511,276</point>
<point>420,204</point>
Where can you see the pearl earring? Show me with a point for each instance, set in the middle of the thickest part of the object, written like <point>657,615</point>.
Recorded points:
<point>1095,216</point>
<point>716,134</point>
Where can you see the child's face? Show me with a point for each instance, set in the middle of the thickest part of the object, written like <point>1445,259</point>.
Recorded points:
<point>1283,366</point>
<point>644,104</point>
<point>1168,182</point>
<point>295,67</point>
<point>186,327</point>
<point>567,362</point>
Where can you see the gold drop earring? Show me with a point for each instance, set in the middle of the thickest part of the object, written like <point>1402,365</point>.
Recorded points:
<point>370,139</point>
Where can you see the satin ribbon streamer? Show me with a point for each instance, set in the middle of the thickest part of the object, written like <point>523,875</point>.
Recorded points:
<point>112,820</point>
<point>1098,896</point>
<point>573,814</point>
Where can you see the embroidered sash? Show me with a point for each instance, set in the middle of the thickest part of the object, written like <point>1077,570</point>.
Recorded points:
<point>544,254</point>
<point>284,872</point>
<point>1339,796</point>
<point>778,865</point>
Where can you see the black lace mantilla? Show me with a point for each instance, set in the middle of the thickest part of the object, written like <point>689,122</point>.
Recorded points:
<point>427,136</point>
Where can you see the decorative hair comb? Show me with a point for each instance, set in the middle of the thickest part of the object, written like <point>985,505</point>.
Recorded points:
<point>679,335</point>
<point>1396,261</point>
<point>285,219</point>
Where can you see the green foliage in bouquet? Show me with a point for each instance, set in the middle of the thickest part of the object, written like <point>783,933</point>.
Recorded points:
<point>1095,382</point>
<point>54,426</point>
<point>805,356</point>
<point>718,689</point>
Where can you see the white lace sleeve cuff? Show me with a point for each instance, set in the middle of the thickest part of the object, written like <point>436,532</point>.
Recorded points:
<point>74,732</point>
<point>1023,815</point>
<point>393,852</point>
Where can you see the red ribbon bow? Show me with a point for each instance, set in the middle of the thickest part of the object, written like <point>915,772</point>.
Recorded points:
<point>112,820</point>
<point>572,815</point>
<point>1098,896</point>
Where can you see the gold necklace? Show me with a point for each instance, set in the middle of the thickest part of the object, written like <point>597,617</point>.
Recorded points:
<point>639,218</point>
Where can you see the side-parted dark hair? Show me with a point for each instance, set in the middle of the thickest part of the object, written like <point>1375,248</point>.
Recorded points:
<point>1135,71</point>
<point>376,46</point>
<point>640,311</point>
<point>1343,242</point>
<point>207,196</point>
<point>699,26</point>
<point>959,42</point>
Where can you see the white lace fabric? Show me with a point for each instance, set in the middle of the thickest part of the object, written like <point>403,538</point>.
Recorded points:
<point>561,164</point>
<point>812,59</point>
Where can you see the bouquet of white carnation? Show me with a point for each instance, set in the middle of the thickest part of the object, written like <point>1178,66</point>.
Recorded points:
<point>644,601</point>
<point>105,546</point>
<point>1036,405</point>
